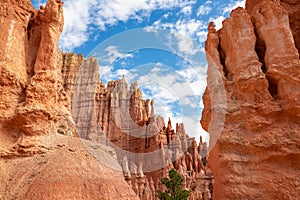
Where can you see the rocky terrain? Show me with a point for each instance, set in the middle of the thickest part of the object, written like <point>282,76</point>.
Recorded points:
<point>39,157</point>
<point>117,115</point>
<point>66,135</point>
<point>252,107</point>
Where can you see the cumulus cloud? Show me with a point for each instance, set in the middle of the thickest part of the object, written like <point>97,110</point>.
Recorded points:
<point>113,53</point>
<point>184,32</point>
<point>77,21</point>
<point>82,15</point>
<point>233,6</point>
<point>187,10</point>
<point>203,10</point>
<point>218,21</point>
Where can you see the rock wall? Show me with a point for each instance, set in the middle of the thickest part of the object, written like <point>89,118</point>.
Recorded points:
<point>39,158</point>
<point>254,82</point>
<point>293,9</point>
<point>117,115</point>
<point>32,96</point>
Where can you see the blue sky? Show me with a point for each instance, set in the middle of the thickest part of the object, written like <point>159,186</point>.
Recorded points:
<point>159,43</point>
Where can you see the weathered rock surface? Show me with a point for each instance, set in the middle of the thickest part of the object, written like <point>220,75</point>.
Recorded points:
<point>14,18</point>
<point>60,167</point>
<point>32,96</point>
<point>293,9</point>
<point>252,104</point>
<point>117,115</point>
<point>36,160</point>
<point>46,109</point>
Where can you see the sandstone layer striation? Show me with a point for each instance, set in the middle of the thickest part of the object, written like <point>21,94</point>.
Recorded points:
<point>251,104</point>
<point>39,156</point>
<point>117,115</point>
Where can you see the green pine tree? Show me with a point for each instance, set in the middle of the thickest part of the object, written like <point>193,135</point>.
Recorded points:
<point>173,184</point>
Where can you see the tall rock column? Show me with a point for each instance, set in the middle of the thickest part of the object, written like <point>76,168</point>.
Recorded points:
<point>255,151</point>
<point>281,56</point>
<point>84,106</point>
<point>14,18</point>
<point>47,107</point>
<point>293,9</point>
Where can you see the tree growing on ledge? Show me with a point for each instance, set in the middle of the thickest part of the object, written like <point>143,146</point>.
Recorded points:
<point>173,184</point>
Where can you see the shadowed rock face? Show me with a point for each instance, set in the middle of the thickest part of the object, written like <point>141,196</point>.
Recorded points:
<point>253,65</point>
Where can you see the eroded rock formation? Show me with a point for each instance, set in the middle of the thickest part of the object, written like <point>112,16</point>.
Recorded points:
<point>45,92</point>
<point>117,115</point>
<point>293,8</point>
<point>37,159</point>
<point>252,104</point>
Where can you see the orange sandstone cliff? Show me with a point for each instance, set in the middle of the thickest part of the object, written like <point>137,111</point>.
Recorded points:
<point>39,157</point>
<point>252,105</point>
<point>49,98</point>
<point>117,115</point>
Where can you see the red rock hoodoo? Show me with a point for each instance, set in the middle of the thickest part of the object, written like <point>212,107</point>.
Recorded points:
<point>252,107</point>
<point>39,157</point>
<point>48,97</point>
<point>118,116</point>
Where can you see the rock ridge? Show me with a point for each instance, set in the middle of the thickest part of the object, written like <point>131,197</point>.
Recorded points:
<point>251,103</point>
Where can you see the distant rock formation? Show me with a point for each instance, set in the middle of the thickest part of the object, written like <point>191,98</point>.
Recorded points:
<point>255,153</point>
<point>47,97</point>
<point>37,158</point>
<point>117,115</point>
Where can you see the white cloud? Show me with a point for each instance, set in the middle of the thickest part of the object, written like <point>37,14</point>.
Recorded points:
<point>186,44</point>
<point>202,36</point>
<point>187,10</point>
<point>203,10</point>
<point>81,14</point>
<point>165,16</point>
<point>113,53</point>
<point>77,18</point>
<point>233,6</point>
<point>111,12</point>
<point>108,73</point>
<point>183,31</point>
<point>218,21</point>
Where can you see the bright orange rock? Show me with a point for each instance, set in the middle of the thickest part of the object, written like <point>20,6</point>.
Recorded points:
<point>251,105</point>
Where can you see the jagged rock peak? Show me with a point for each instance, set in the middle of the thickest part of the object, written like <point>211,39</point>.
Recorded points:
<point>35,110</point>
<point>253,81</point>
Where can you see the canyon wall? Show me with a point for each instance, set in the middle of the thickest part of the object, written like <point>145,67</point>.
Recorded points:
<point>292,7</point>
<point>39,157</point>
<point>49,98</point>
<point>253,65</point>
<point>117,115</point>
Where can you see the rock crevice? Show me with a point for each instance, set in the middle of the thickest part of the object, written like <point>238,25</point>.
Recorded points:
<point>254,128</point>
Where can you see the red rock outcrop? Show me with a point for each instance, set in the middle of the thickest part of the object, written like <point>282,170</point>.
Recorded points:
<point>36,160</point>
<point>60,167</point>
<point>251,104</point>
<point>118,116</point>
<point>46,109</point>
<point>32,96</point>
<point>293,9</point>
